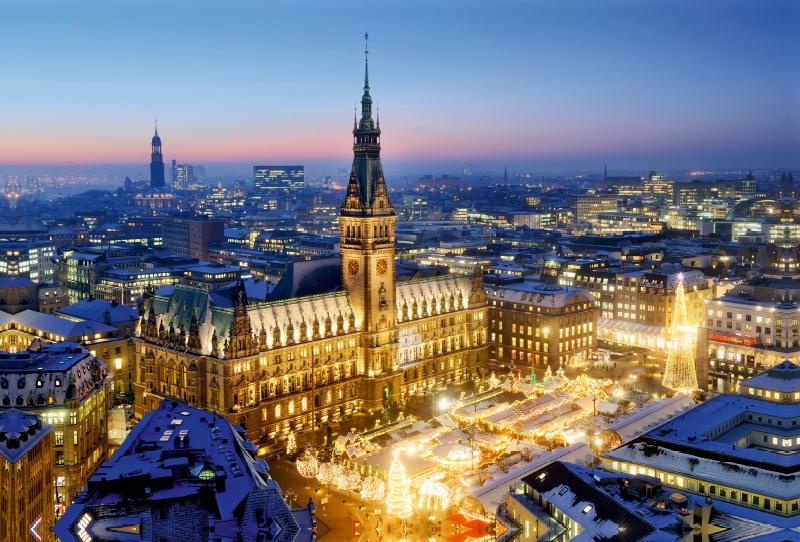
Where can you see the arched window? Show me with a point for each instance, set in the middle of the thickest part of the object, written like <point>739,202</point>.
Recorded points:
<point>277,411</point>
<point>291,407</point>
<point>304,403</point>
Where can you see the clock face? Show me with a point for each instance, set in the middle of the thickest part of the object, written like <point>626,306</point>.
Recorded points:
<point>352,267</point>
<point>382,267</point>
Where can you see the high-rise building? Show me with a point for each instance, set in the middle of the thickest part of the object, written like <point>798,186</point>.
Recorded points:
<point>182,176</point>
<point>274,180</point>
<point>192,236</point>
<point>27,259</point>
<point>26,447</point>
<point>586,207</point>
<point>156,163</point>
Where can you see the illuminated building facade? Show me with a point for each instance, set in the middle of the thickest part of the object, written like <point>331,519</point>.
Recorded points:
<point>69,388</point>
<point>334,336</point>
<point>274,180</point>
<point>26,451</point>
<point>751,328</point>
<point>541,325</point>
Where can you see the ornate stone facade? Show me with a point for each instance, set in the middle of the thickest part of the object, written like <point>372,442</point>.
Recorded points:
<point>266,365</point>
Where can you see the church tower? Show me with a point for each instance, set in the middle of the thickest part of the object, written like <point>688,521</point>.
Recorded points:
<point>367,224</point>
<point>156,163</point>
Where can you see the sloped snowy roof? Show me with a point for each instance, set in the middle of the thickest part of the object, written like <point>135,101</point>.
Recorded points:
<point>783,377</point>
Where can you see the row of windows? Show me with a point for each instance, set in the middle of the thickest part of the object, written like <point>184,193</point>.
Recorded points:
<point>708,489</point>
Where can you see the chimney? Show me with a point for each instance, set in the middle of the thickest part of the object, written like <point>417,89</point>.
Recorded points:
<point>107,318</point>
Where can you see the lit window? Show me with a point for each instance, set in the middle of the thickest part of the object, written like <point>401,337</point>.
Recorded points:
<point>588,508</point>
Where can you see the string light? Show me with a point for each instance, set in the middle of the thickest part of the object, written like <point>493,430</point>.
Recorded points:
<point>307,464</point>
<point>680,374</point>
<point>398,501</point>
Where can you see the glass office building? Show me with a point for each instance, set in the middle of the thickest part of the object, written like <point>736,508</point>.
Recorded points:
<point>274,180</point>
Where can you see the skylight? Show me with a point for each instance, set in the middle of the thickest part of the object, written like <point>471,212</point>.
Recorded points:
<point>588,508</point>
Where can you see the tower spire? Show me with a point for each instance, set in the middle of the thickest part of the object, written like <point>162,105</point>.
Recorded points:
<point>366,63</point>
<point>156,126</point>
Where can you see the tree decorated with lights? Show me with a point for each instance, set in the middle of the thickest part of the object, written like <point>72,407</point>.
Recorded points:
<point>373,489</point>
<point>398,501</point>
<point>680,374</point>
<point>548,374</point>
<point>291,444</point>
<point>307,464</point>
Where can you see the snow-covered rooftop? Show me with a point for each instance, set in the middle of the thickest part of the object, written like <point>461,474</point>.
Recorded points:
<point>192,469</point>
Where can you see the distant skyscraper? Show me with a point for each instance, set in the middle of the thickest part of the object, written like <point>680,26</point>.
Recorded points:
<point>467,170</point>
<point>200,172</point>
<point>156,163</point>
<point>182,176</point>
<point>273,180</point>
<point>505,175</point>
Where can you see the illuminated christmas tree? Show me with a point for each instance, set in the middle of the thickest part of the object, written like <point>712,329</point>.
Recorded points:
<point>398,501</point>
<point>291,444</point>
<point>680,374</point>
<point>548,374</point>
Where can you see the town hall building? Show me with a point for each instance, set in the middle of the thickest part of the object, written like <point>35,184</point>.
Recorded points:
<point>334,336</point>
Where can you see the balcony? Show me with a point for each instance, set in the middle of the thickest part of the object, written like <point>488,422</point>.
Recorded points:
<point>732,338</point>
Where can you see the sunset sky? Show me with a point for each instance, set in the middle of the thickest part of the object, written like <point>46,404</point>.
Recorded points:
<point>541,85</point>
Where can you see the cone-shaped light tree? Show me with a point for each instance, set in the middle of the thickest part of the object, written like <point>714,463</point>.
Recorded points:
<point>291,444</point>
<point>398,500</point>
<point>680,374</point>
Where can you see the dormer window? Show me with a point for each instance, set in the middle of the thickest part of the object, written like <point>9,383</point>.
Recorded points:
<point>21,383</point>
<point>39,383</point>
<point>58,382</point>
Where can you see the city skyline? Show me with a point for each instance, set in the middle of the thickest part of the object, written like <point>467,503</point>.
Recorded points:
<point>552,87</point>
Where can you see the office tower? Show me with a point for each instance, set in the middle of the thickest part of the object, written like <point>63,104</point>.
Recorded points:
<point>191,237</point>
<point>156,163</point>
<point>182,176</point>
<point>200,172</point>
<point>587,206</point>
<point>274,180</point>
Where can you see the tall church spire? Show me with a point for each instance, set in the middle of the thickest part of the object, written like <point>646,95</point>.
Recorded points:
<point>156,162</point>
<point>367,188</point>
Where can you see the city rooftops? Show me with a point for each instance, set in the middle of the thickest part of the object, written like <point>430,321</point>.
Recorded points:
<point>16,283</point>
<point>193,467</point>
<point>95,309</point>
<point>539,294</point>
<point>56,328</point>
<point>781,380</point>
<point>19,431</point>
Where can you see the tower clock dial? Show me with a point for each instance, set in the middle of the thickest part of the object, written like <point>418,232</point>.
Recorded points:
<point>382,266</point>
<point>352,267</point>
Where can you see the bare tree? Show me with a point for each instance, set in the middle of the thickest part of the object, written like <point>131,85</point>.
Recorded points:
<point>639,398</point>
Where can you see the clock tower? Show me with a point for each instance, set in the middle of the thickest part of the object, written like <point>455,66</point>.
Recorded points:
<point>367,224</point>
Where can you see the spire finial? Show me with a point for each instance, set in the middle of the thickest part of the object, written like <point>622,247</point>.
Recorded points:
<point>366,60</point>
<point>378,115</point>
<point>355,116</point>
<point>156,126</point>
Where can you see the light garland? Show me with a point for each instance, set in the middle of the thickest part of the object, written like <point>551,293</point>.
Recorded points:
<point>307,464</point>
<point>348,480</point>
<point>373,489</point>
<point>328,473</point>
<point>680,374</point>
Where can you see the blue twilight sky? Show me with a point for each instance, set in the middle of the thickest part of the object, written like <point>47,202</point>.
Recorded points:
<point>539,85</point>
